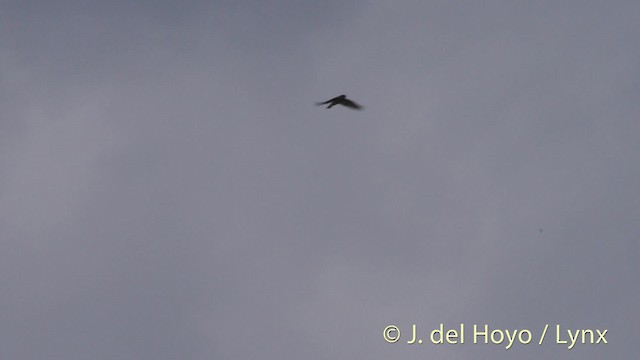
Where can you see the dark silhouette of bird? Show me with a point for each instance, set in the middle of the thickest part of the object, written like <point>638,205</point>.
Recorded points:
<point>340,100</point>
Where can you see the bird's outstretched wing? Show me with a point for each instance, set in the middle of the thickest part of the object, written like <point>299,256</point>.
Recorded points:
<point>351,104</point>
<point>335,99</point>
<point>340,100</point>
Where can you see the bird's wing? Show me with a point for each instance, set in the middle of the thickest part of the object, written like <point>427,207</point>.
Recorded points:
<point>351,104</point>
<point>328,101</point>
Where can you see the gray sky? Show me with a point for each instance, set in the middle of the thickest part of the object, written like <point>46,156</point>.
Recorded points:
<point>168,190</point>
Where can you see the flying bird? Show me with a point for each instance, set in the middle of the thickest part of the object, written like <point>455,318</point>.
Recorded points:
<point>341,100</point>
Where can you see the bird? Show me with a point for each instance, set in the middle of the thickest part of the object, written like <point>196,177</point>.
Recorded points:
<point>340,100</point>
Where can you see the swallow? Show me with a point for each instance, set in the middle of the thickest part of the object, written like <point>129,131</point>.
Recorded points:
<point>340,100</point>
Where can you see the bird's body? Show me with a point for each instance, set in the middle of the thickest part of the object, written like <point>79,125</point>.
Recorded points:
<point>341,100</point>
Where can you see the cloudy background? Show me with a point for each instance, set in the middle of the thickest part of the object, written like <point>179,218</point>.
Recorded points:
<point>168,190</point>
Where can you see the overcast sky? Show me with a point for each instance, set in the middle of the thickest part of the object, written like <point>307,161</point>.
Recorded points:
<point>168,190</point>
